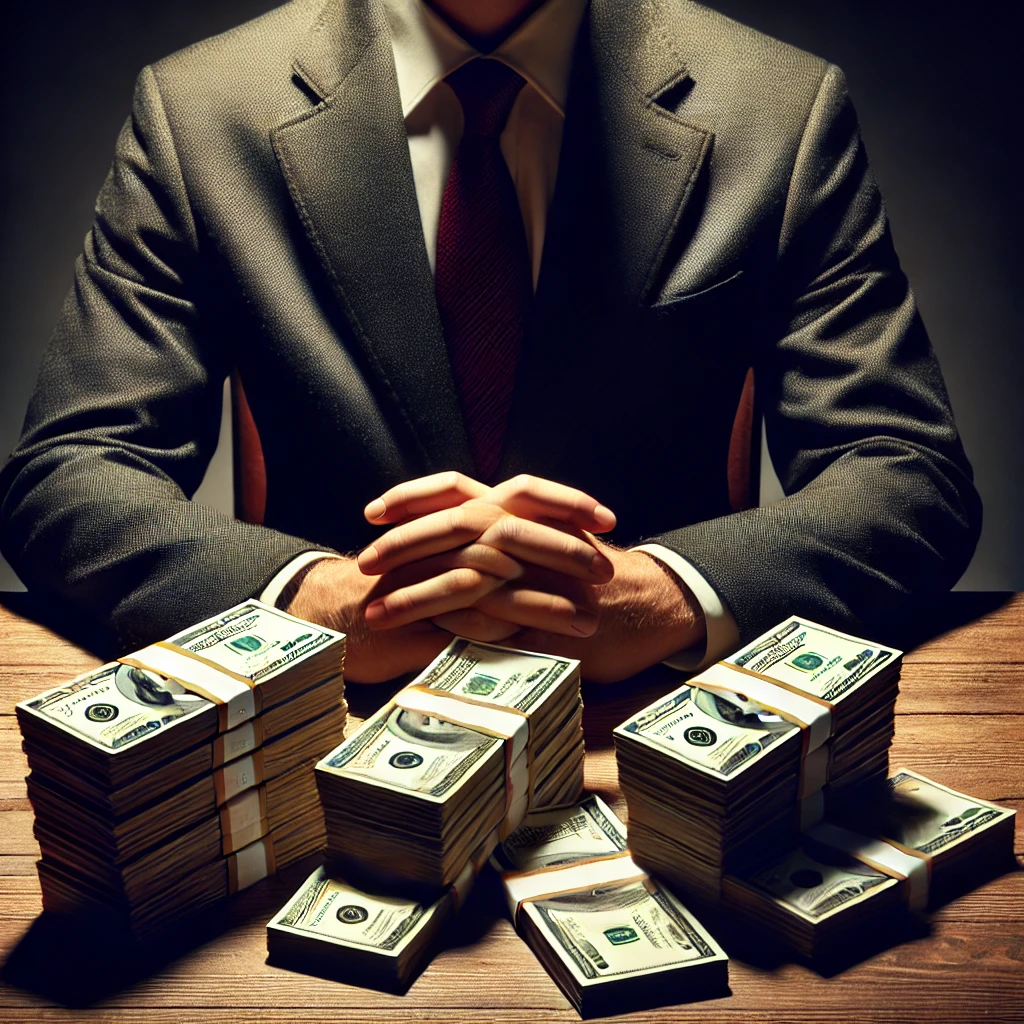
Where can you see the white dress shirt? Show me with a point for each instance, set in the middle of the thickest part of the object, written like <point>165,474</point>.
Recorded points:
<point>426,50</point>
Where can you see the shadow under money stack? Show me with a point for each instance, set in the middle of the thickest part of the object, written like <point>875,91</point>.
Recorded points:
<point>612,938</point>
<point>835,888</point>
<point>737,760</point>
<point>454,760</point>
<point>183,772</point>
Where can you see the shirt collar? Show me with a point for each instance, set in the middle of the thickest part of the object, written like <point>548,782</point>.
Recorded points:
<point>427,49</point>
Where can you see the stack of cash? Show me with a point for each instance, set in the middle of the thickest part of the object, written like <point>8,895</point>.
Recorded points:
<point>458,756</point>
<point>612,938</point>
<point>921,841</point>
<point>360,933</point>
<point>964,840</point>
<point>183,772</point>
<point>736,760</point>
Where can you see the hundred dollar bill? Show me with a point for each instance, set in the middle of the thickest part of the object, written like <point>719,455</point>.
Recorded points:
<point>116,706</point>
<point>255,640</point>
<point>620,930</point>
<point>924,816</point>
<point>820,661</point>
<point>561,835</point>
<point>817,882</point>
<point>719,733</point>
<point>406,750</point>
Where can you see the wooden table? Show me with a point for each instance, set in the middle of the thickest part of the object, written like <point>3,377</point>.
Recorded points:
<point>960,720</point>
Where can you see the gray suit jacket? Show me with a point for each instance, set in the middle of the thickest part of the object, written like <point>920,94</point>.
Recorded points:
<point>714,210</point>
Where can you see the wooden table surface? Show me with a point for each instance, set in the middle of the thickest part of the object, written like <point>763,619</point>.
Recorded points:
<point>959,720</point>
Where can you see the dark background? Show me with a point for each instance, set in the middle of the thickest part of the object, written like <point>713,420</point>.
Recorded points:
<point>939,95</point>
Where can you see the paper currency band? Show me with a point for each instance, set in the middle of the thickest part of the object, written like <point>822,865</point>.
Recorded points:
<point>882,856</point>
<point>243,820</point>
<point>507,724</point>
<point>238,776</point>
<point>462,885</point>
<point>251,865</point>
<point>546,883</point>
<point>234,694</point>
<point>811,714</point>
<point>243,739</point>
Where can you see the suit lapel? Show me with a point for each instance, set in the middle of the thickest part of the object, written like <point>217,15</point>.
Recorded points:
<point>626,174</point>
<point>347,169</point>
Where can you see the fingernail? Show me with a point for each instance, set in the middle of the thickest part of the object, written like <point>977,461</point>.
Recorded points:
<point>375,509</point>
<point>367,559</point>
<point>605,516</point>
<point>375,612</point>
<point>584,622</point>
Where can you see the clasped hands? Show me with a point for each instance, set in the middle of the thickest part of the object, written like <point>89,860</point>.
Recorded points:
<point>519,562</point>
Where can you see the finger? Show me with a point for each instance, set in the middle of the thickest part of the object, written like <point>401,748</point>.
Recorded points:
<point>457,588</point>
<point>429,535</point>
<point>475,625</point>
<point>539,610</point>
<point>562,550</point>
<point>422,496</point>
<point>533,497</point>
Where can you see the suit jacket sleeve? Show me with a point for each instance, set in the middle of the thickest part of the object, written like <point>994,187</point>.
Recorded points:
<point>125,417</point>
<point>880,509</point>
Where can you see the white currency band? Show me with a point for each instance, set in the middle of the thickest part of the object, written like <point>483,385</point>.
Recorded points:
<point>913,869</point>
<point>812,810</point>
<point>512,727</point>
<point>239,776</point>
<point>462,885</point>
<point>813,773</point>
<point>239,698</point>
<point>238,741</point>
<point>242,812</point>
<point>816,717</point>
<point>251,865</point>
<point>538,884</point>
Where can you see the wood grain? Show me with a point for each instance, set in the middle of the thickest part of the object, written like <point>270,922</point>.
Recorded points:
<point>958,721</point>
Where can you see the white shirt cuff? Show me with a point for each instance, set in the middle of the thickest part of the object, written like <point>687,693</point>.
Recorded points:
<point>723,636</point>
<point>271,593</point>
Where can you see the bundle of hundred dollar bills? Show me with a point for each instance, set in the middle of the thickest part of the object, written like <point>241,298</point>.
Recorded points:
<point>612,938</point>
<point>183,772</point>
<point>834,883</point>
<point>360,933</point>
<point>451,763</point>
<point>737,758</point>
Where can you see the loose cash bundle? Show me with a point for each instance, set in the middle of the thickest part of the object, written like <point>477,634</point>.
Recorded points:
<point>835,884</point>
<point>736,758</point>
<point>483,733</point>
<point>612,938</point>
<point>183,772</point>
<point>362,934</point>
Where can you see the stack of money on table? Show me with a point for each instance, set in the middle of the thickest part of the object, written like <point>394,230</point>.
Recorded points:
<point>736,760</point>
<point>612,938</point>
<point>183,772</point>
<point>362,934</point>
<point>834,885</point>
<point>481,735</point>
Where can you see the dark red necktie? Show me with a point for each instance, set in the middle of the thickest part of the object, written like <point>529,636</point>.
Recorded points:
<point>483,279</point>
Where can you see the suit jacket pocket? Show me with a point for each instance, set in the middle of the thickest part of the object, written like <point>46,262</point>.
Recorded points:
<point>727,286</point>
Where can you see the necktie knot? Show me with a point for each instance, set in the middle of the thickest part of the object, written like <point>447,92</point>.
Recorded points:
<point>486,89</point>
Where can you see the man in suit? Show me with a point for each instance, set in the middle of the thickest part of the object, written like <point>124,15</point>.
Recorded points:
<point>694,201</point>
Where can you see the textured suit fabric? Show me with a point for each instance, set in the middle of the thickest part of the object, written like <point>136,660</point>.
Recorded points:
<point>714,211</point>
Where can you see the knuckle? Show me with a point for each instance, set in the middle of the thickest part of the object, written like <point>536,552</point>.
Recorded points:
<point>522,483</point>
<point>464,578</point>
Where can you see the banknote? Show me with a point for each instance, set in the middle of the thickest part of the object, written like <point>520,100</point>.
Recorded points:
<point>254,640</point>
<point>817,881</point>
<point>116,706</point>
<point>497,675</point>
<point>719,733</point>
<point>622,929</point>
<point>561,835</point>
<point>922,815</point>
<point>820,661</point>
<point>407,750</point>
<point>335,912</point>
